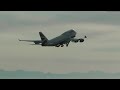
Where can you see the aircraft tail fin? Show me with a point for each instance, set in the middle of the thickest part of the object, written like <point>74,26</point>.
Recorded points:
<point>42,36</point>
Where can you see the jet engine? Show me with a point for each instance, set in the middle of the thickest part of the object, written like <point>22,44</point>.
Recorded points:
<point>78,40</point>
<point>36,42</point>
<point>75,40</point>
<point>81,40</point>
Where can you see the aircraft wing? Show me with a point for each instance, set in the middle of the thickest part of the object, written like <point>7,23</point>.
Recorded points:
<point>35,41</point>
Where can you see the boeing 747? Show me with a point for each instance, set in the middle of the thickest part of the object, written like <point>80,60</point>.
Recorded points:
<point>63,39</point>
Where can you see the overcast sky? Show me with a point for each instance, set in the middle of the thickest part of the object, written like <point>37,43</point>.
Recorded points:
<point>100,51</point>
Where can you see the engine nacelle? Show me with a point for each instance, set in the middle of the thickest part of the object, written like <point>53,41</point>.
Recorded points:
<point>36,42</point>
<point>81,40</point>
<point>75,40</point>
<point>78,40</point>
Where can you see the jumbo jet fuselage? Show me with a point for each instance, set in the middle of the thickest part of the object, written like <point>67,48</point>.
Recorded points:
<point>64,38</point>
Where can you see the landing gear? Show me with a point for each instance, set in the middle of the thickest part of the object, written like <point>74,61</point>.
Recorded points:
<point>67,44</point>
<point>57,45</point>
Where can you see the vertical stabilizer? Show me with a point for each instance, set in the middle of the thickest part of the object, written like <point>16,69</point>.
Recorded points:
<point>42,36</point>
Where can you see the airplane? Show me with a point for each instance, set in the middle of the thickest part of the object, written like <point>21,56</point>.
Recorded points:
<point>64,38</point>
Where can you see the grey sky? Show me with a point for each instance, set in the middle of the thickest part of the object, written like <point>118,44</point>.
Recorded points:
<point>100,51</point>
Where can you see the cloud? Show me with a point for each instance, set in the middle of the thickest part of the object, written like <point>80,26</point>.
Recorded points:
<point>15,19</point>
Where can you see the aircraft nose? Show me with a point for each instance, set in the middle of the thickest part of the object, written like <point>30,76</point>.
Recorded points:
<point>74,34</point>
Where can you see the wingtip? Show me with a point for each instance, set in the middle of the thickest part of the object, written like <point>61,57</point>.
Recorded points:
<point>19,39</point>
<point>85,37</point>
